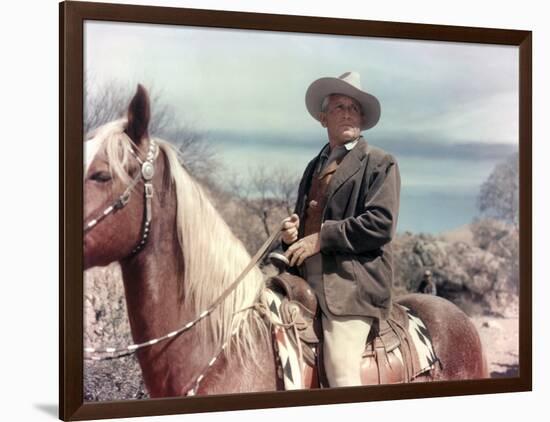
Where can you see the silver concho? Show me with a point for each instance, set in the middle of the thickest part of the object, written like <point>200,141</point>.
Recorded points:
<point>147,170</point>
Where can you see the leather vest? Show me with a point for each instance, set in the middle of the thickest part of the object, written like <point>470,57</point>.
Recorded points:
<point>317,198</point>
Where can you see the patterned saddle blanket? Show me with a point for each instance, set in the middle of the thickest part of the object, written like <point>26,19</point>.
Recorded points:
<point>397,350</point>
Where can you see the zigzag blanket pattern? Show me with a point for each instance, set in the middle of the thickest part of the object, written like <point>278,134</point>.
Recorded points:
<point>422,341</point>
<point>292,368</point>
<point>288,355</point>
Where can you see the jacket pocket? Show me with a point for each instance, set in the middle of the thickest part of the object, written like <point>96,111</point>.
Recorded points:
<point>347,270</point>
<point>373,278</point>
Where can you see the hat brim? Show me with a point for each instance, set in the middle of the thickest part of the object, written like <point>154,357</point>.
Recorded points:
<point>320,88</point>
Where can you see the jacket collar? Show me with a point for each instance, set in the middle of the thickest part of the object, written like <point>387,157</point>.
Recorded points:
<point>347,168</point>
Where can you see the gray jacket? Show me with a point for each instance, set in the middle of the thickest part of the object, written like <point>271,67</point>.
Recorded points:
<point>359,221</point>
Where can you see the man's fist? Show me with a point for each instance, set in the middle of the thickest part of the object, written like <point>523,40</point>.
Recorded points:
<point>289,231</point>
<point>299,251</point>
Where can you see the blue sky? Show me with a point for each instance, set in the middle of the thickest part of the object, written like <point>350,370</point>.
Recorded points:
<point>449,110</point>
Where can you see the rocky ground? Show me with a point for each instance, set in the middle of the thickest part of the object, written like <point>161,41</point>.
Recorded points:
<point>500,338</point>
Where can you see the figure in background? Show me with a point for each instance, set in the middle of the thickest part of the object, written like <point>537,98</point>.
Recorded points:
<point>427,284</point>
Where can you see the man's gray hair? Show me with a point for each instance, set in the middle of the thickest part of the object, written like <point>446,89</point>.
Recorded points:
<point>324,104</point>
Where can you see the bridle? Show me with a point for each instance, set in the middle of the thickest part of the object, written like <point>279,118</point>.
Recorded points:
<point>145,175</point>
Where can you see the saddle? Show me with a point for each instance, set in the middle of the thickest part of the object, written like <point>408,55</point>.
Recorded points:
<point>389,356</point>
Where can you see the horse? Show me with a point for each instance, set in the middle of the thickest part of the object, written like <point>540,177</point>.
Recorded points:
<point>143,209</point>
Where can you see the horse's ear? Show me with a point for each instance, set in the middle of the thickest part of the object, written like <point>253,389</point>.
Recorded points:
<point>139,114</point>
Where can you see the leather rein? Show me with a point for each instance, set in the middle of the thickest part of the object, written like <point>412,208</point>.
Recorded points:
<point>146,175</point>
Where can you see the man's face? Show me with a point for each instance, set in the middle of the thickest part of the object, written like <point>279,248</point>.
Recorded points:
<point>343,118</point>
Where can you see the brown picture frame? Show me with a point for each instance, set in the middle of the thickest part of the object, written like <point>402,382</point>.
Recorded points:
<point>72,18</point>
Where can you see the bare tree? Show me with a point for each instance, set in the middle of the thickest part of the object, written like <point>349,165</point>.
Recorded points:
<point>103,102</point>
<point>109,100</point>
<point>499,194</point>
<point>268,193</point>
<point>263,204</point>
<point>285,187</point>
<point>497,230</point>
<point>196,152</point>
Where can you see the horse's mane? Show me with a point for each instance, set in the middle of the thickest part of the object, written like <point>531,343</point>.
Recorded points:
<point>213,257</point>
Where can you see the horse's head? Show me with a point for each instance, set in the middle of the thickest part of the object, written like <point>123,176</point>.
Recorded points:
<point>114,185</point>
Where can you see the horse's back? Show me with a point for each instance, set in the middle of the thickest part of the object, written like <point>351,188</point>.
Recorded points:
<point>455,338</point>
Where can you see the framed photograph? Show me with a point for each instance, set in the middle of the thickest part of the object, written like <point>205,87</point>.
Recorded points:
<point>269,210</point>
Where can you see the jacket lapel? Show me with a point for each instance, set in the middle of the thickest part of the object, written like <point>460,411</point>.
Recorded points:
<point>348,167</point>
<point>304,188</point>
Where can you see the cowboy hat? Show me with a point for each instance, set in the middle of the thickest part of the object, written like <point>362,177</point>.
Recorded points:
<point>348,84</point>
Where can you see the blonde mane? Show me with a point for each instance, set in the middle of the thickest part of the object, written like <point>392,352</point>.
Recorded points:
<point>213,257</point>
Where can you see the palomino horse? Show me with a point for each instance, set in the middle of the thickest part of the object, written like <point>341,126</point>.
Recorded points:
<point>177,256</point>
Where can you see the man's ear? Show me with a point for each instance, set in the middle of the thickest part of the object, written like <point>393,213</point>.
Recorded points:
<point>323,119</point>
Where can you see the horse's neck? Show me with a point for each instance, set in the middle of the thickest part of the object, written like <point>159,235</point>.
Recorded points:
<point>151,288</point>
<point>155,308</point>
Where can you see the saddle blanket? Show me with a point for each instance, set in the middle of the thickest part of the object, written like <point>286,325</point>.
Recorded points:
<point>422,342</point>
<point>289,355</point>
<point>293,368</point>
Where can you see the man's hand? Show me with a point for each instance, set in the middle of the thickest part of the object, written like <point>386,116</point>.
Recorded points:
<point>289,231</point>
<point>304,248</point>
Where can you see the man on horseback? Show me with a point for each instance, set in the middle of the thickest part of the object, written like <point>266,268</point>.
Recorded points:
<point>345,217</point>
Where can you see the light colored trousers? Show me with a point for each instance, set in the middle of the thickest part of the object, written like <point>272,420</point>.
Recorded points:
<point>344,337</point>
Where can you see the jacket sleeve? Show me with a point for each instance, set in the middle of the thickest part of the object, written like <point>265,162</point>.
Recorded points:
<point>375,225</point>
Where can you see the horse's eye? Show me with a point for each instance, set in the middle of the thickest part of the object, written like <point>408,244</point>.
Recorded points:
<point>101,176</point>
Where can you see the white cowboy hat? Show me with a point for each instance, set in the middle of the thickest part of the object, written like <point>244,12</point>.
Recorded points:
<point>348,84</point>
